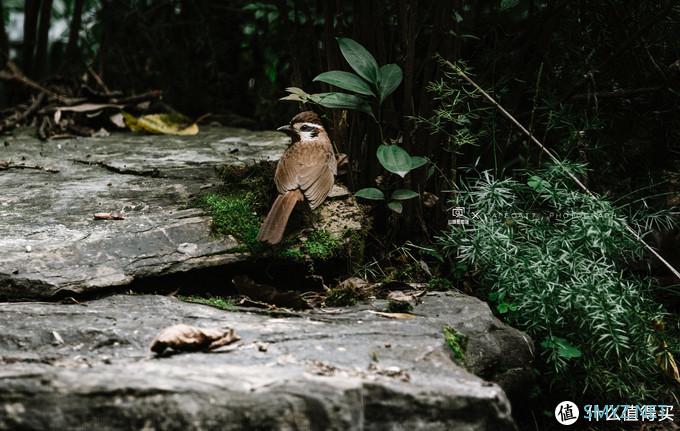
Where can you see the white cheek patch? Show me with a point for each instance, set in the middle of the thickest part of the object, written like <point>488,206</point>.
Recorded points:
<point>309,134</point>
<point>306,136</point>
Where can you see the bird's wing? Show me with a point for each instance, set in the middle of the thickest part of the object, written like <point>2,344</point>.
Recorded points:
<point>308,167</point>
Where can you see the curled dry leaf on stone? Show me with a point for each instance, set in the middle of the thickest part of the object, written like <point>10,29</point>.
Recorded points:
<point>163,124</point>
<point>187,338</point>
<point>109,216</point>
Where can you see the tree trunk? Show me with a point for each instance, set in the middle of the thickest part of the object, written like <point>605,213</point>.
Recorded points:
<point>31,12</point>
<point>43,38</point>
<point>4,42</point>
<point>74,31</point>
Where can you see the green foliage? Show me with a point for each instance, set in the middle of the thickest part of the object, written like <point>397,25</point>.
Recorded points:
<point>346,81</point>
<point>370,193</point>
<point>395,206</point>
<point>395,159</point>
<point>359,59</point>
<point>370,83</point>
<point>389,78</point>
<point>457,112</point>
<point>370,80</point>
<point>561,348</point>
<point>213,301</point>
<point>457,342</point>
<point>563,279</point>
<point>404,194</point>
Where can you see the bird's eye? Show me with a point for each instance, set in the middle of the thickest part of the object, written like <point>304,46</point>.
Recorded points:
<point>305,128</point>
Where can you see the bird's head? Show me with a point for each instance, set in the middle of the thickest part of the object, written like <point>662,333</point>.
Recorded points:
<point>304,126</point>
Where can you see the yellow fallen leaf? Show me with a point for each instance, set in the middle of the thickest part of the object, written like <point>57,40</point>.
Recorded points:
<point>165,124</point>
<point>131,122</point>
<point>667,363</point>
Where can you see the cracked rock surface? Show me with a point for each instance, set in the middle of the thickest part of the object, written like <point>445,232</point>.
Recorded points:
<point>49,239</point>
<point>88,367</point>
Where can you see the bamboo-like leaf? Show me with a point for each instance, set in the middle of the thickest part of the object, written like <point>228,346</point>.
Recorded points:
<point>359,59</point>
<point>346,81</point>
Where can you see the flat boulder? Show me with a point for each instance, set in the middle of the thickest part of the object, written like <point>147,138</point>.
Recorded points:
<point>88,366</point>
<point>142,190</point>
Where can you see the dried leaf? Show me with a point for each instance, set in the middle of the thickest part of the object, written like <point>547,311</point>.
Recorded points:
<point>667,363</point>
<point>164,124</point>
<point>109,216</point>
<point>186,338</point>
<point>293,97</point>
<point>88,107</point>
<point>393,315</point>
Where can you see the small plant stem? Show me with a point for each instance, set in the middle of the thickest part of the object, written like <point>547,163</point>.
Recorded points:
<point>557,161</point>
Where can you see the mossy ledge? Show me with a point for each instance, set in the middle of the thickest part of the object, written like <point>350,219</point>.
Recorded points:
<point>335,231</point>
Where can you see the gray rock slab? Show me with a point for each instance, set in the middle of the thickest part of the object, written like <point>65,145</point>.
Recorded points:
<point>49,241</point>
<point>88,367</point>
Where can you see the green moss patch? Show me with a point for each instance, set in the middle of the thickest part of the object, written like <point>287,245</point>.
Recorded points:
<point>457,342</point>
<point>215,301</point>
<point>234,215</point>
<point>319,245</point>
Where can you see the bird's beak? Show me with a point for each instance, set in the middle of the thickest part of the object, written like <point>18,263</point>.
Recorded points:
<point>287,130</point>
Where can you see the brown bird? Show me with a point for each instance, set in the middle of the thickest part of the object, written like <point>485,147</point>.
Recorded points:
<point>306,171</point>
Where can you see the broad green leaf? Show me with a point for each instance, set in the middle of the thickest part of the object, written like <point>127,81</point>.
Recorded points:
<point>370,193</point>
<point>502,307</point>
<point>341,101</point>
<point>430,171</point>
<point>417,161</point>
<point>346,81</point>
<point>403,194</point>
<point>562,347</point>
<point>508,4</point>
<point>395,206</point>
<point>389,78</point>
<point>395,159</point>
<point>359,59</point>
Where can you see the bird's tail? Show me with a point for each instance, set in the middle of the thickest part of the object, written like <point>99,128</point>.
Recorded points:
<point>273,226</point>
